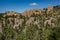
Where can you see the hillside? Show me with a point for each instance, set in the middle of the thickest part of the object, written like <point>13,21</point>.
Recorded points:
<point>33,24</point>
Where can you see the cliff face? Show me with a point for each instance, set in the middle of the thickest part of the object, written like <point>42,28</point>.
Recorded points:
<point>34,18</point>
<point>32,11</point>
<point>37,11</point>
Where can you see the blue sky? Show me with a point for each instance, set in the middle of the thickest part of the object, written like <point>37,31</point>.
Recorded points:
<point>21,5</point>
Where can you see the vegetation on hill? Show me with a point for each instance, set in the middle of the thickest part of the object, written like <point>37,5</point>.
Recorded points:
<point>42,26</point>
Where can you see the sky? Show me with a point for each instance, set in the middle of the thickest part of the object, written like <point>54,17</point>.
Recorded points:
<point>22,5</point>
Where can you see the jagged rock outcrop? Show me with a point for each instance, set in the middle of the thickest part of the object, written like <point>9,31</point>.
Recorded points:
<point>37,11</point>
<point>11,13</point>
<point>33,11</point>
<point>51,22</point>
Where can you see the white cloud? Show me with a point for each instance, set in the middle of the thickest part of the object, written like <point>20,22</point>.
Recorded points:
<point>33,4</point>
